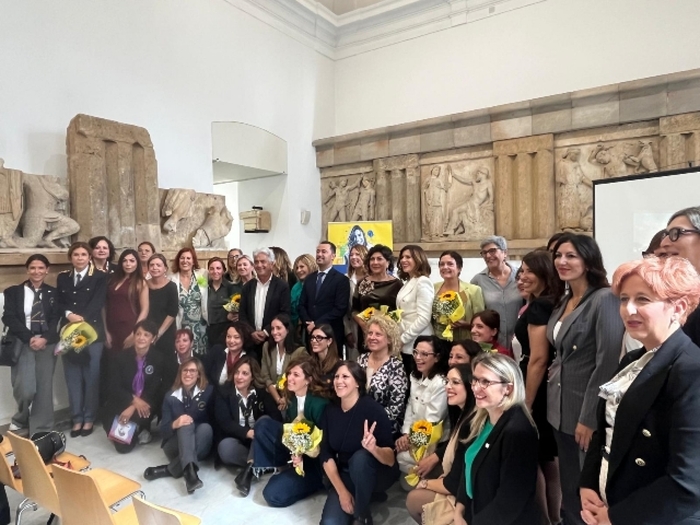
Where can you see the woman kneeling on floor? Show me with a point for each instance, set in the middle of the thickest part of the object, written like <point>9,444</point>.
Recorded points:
<point>185,426</point>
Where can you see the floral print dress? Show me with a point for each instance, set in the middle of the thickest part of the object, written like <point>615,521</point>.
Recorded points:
<point>190,301</point>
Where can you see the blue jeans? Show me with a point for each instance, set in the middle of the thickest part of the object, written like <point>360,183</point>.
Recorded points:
<point>83,384</point>
<point>268,450</point>
<point>363,476</point>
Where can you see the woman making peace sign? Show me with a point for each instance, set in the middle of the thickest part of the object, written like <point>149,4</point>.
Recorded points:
<point>356,451</point>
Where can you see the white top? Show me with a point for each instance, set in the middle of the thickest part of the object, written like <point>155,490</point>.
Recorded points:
<point>260,298</point>
<point>555,330</point>
<point>279,368</point>
<point>427,400</point>
<point>517,348</point>
<point>28,303</point>
<point>300,406</point>
<point>415,300</point>
<point>224,370</point>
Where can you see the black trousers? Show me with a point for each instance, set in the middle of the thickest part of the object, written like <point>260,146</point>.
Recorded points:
<point>4,507</point>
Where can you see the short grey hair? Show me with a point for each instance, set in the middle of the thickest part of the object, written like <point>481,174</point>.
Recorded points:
<point>266,251</point>
<point>692,214</point>
<point>495,239</point>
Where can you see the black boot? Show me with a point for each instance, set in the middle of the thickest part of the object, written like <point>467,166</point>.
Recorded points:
<point>244,479</point>
<point>192,481</point>
<point>161,471</point>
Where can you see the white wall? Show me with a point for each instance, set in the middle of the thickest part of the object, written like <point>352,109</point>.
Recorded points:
<point>549,48</point>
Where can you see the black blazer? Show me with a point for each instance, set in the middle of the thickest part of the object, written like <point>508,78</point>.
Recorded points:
<point>87,299</point>
<point>13,316</point>
<point>278,301</point>
<point>200,410</point>
<point>331,304</point>
<point>226,411</point>
<point>214,363</point>
<point>654,464</point>
<point>504,475</point>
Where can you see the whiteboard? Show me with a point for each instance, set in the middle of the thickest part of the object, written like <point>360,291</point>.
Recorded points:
<point>628,211</point>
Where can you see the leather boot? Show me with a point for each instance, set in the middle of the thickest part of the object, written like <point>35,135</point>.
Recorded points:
<point>244,479</point>
<point>161,471</point>
<point>192,481</point>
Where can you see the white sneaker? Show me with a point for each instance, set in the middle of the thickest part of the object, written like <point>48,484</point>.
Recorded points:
<point>145,437</point>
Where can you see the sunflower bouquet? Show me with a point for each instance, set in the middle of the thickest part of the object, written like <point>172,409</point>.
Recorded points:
<point>367,313</point>
<point>281,383</point>
<point>234,304</point>
<point>302,437</point>
<point>422,439</point>
<point>448,308</point>
<point>75,337</point>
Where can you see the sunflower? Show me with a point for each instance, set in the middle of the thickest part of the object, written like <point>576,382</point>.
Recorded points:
<point>79,341</point>
<point>448,296</point>
<point>422,426</point>
<point>281,382</point>
<point>236,298</point>
<point>301,428</point>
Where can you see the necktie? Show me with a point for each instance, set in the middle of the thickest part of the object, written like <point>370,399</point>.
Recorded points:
<point>319,281</point>
<point>246,408</point>
<point>139,379</point>
<point>186,398</point>
<point>78,278</point>
<point>38,319</point>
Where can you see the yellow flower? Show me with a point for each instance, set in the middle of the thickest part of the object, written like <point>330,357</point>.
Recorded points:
<point>79,341</point>
<point>236,298</point>
<point>281,382</point>
<point>448,296</point>
<point>301,428</point>
<point>422,426</point>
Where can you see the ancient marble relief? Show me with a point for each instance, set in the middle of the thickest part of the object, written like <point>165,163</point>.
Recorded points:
<point>457,200</point>
<point>34,211</point>
<point>350,198</point>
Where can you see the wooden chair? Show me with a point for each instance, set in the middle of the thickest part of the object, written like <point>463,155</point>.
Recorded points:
<point>152,514</point>
<point>7,479</point>
<point>83,502</point>
<point>40,489</point>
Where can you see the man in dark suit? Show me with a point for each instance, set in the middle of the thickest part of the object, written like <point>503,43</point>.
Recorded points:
<point>325,297</point>
<point>263,298</point>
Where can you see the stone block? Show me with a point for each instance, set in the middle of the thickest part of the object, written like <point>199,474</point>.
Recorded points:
<point>511,125</point>
<point>436,138</point>
<point>347,152</point>
<point>374,148</point>
<point>552,118</point>
<point>523,145</point>
<point>595,110</point>
<point>472,132</point>
<point>402,143</point>
<point>324,156</point>
<point>643,104</point>
<point>680,123</point>
<point>684,97</point>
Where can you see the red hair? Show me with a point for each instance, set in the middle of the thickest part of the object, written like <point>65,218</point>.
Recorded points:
<point>176,262</point>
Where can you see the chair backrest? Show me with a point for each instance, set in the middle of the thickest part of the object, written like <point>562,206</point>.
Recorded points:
<point>151,514</point>
<point>36,480</point>
<point>81,499</point>
<point>6,477</point>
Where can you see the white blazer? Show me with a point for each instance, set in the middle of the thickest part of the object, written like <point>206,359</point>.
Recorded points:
<point>416,300</point>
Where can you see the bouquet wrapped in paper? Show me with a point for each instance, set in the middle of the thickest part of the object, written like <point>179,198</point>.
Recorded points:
<point>75,337</point>
<point>422,439</point>
<point>302,437</point>
<point>234,304</point>
<point>448,308</point>
<point>367,313</point>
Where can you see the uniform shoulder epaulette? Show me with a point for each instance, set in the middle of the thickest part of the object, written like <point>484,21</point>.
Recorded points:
<point>65,271</point>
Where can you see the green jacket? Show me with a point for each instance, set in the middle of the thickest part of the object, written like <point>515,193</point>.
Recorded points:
<point>313,409</point>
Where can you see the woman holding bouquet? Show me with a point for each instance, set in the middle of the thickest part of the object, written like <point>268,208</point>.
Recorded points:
<point>219,294</point>
<point>485,326</point>
<point>239,405</point>
<point>356,451</point>
<point>193,291</point>
<point>470,298</point>
<point>277,353</point>
<point>305,400</point>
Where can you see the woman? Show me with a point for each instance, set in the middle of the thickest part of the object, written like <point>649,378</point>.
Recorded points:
<point>428,399</point>
<point>641,466</point>
<point>245,270</point>
<point>305,400</point>
<point>127,302</point>
<point>219,293</point>
<point>356,451</point>
<point>222,357</point>
<point>378,288</point>
<point>462,352</point>
<point>193,297</point>
<point>185,428</point>
<point>325,352</point>
<point>433,501</point>
<point>277,353</point>
<point>31,314</point>
<point>102,253</point>
<point>81,296</point>
<point>586,332</point>
<point>415,300</point>
<point>239,404</point>
<point>303,266</point>
<point>146,250</point>
<point>498,284</point>
<point>282,266</point>
<point>356,272</point>
<point>539,286</point>
<point>386,377</point>
<point>485,327</point>
<point>183,345</point>
<point>450,265</point>
<point>162,310</point>
<point>231,258</point>
<point>136,392</point>
<point>500,462</point>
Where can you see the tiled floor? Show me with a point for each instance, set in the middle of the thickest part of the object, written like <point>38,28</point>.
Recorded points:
<point>218,503</point>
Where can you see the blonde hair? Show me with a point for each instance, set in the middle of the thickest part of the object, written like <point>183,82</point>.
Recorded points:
<point>362,251</point>
<point>308,260</point>
<point>390,329</point>
<point>507,371</point>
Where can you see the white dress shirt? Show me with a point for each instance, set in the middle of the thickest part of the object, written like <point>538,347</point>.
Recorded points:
<point>261,290</point>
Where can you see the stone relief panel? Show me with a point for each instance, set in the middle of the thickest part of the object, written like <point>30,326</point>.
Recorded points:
<point>34,211</point>
<point>200,220</point>
<point>398,189</point>
<point>458,200</point>
<point>350,198</point>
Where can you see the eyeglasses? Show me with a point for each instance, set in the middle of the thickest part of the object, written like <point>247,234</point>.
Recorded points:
<point>190,371</point>
<point>485,383</point>
<point>491,251</point>
<point>452,382</point>
<point>674,233</point>
<point>318,338</point>
<point>422,355</point>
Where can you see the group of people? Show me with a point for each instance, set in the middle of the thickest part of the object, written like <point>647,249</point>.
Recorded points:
<point>543,366</point>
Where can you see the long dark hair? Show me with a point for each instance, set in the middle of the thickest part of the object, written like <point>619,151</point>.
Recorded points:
<point>588,250</point>
<point>332,358</point>
<point>312,373</point>
<point>458,416</point>
<point>358,374</point>
<point>289,344</point>
<point>136,280</point>
<point>540,263</point>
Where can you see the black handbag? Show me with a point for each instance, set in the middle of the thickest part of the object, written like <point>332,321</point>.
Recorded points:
<point>10,348</point>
